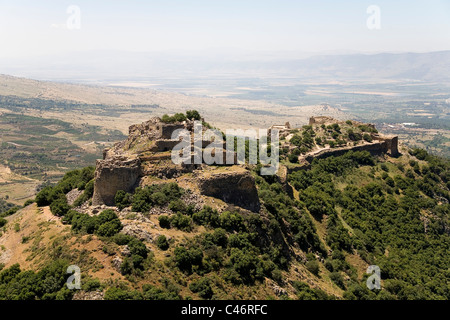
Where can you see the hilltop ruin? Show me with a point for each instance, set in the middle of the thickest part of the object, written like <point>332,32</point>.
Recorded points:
<point>145,158</point>
<point>147,153</point>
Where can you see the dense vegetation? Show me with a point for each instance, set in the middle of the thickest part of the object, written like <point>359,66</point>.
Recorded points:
<point>393,214</point>
<point>46,284</point>
<point>400,224</point>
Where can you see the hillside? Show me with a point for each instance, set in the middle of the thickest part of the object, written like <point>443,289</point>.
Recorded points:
<point>115,107</point>
<point>140,227</point>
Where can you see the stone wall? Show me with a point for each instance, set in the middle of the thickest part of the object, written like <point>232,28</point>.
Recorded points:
<point>236,188</point>
<point>166,129</point>
<point>112,175</point>
<point>391,144</point>
<point>322,120</point>
<point>375,148</point>
<point>163,145</point>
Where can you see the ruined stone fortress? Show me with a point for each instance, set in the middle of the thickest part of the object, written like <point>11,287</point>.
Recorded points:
<point>147,153</point>
<point>381,143</point>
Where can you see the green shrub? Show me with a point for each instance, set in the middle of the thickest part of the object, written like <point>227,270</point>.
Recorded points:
<point>186,258</point>
<point>155,195</point>
<point>202,287</point>
<point>367,137</point>
<point>92,285</point>
<point>162,243</point>
<point>304,292</point>
<point>122,239</point>
<point>115,293</point>
<point>171,292</point>
<point>219,237</point>
<point>293,158</point>
<point>231,221</point>
<point>193,115</point>
<point>178,206</point>
<point>106,224</point>
<point>44,197</point>
<point>313,267</point>
<point>164,222</point>
<point>420,154</point>
<point>59,207</point>
<point>47,284</point>
<point>28,202</point>
<point>337,278</point>
<point>159,198</point>
<point>177,117</point>
<point>109,228</point>
<point>277,275</point>
<point>122,199</point>
<point>181,222</point>
<point>207,217</point>
<point>245,266</point>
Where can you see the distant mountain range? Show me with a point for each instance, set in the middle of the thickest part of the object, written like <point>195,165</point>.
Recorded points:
<point>117,66</point>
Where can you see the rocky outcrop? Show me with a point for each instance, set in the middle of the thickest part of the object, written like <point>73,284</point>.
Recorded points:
<point>234,187</point>
<point>88,295</point>
<point>114,174</point>
<point>136,231</point>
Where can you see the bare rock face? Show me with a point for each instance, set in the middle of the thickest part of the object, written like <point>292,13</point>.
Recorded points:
<point>88,295</point>
<point>114,174</point>
<point>137,231</point>
<point>71,196</point>
<point>117,263</point>
<point>235,187</point>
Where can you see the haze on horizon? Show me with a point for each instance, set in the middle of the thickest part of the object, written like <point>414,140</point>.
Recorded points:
<point>106,39</point>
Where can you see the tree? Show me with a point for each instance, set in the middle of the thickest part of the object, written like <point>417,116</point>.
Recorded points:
<point>43,198</point>
<point>162,243</point>
<point>193,115</point>
<point>296,140</point>
<point>186,258</point>
<point>59,207</point>
<point>164,222</point>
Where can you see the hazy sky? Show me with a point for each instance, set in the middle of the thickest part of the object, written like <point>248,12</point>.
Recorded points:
<point>30,28</point>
